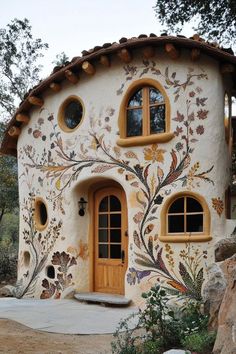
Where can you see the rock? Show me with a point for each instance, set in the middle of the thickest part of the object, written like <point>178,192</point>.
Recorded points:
<point>225,248</point>
<point>213,293</point>
<point>7,291</point>
<point>226,335</point>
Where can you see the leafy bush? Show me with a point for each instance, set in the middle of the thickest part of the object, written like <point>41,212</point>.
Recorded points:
<point>199,342</point>
<point>8,261</point>
<point>158,328</point>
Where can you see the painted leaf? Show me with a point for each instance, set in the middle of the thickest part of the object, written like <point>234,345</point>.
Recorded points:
<point>179,117</point>
<point>102,168</point>
<point>218,205</point>
<point>188,281</point>
<point>136,239</point>
<point>177,286</point>
<point>135,184</point>
<point>138,217</point>
<point>117,151</point>
<point>58,184</point>
<point>149,229</point>
<point>145,173</point>
<point>158,200</point>
<point>139,199</point>
<point>160,263</point>
<point>150,245</point>
<point>129,177</point>
<point>50,290</point>
<point>174,161</point>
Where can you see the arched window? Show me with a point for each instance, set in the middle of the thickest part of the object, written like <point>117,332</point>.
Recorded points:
<point>144,114</point>
<point>185,217</point>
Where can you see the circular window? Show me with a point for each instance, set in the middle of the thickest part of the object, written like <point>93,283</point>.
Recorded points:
<point>26,258</point>
<point>41,214</point>
<point>71,113</point>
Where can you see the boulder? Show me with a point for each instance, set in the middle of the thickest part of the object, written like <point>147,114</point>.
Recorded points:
<point>226,335</point>
<point>7,291</point>
<point>225,248</point>
<point>213,293</point>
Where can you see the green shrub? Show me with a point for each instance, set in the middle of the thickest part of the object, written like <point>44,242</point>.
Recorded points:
<point>8,261</point>
<point>159,329</point>
<point>201,342</point>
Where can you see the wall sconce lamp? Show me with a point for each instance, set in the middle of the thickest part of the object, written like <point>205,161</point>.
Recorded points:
<point>82,206</point>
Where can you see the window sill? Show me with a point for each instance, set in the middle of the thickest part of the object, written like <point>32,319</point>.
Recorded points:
<point>182,238</point>
<point>145,140</point>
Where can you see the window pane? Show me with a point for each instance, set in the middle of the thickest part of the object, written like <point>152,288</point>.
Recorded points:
<point>155,96</point>
<point>103,251</point>
<point>103,206</point>
<point>193,205</point>
<point>134,122</point>
<point>103,220</point>
<point>157,119</point>
<point>115,220</point>
<point>195,223</point>
<point>175,223</point>
<point>115,251</point>
<point>177,206</point>
<point>136,100</point>
<point>114,203</point>
<point>115,235</point>
<point>72,114</point>
<point>103,235</point>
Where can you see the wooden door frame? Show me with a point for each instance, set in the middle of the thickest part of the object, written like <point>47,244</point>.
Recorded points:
<point>92,190</point>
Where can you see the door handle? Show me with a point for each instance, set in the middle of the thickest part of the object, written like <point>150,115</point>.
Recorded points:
<point>123,256</point>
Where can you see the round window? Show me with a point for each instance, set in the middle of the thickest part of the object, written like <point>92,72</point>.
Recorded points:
<point>70,114</point>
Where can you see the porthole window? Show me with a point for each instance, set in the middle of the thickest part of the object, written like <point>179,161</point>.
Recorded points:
<point>185,218</point>
<point>71,114</point>
<point>41,214</point>
<point>144,114</point>
<point>50,271</point>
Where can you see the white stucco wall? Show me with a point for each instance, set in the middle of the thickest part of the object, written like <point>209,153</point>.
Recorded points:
<point>102,103</point>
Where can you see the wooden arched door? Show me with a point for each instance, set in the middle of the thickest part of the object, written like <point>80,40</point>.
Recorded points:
<point>111,240</point>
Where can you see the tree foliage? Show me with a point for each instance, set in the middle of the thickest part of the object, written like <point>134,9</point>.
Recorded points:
<point>19,71</point>
<point>216,18</point>
<point>61,59</point>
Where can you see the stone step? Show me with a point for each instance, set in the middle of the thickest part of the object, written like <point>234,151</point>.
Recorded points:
<point>102,298</point>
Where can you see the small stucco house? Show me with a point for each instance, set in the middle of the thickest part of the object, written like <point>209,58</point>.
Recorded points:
<point>124,159</point>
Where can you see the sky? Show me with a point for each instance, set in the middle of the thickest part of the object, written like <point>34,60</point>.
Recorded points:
<point>74,25</point>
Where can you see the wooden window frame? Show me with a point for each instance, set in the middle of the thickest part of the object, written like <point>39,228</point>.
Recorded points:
<point>203,236</point>
<point>61,120</point>
<point>146,137</point>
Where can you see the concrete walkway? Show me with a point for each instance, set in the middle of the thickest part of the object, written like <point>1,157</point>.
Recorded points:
<point>64,316</point>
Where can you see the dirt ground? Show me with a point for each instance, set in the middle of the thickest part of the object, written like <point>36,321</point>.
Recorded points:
<point>19,339</point>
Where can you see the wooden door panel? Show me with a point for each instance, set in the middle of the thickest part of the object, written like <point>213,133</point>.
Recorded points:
<point>110,225</point>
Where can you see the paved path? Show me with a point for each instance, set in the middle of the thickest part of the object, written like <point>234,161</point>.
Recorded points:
<point>64,316</point>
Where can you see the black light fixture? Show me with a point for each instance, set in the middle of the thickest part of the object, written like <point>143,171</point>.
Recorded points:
<point>82,206</point>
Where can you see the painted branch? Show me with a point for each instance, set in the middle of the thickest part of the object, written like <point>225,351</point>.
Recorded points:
<point>14,131</point>
<point>71,77</point>
<point>88,68</point>
<point>227,68</point>
<point>172,51</point>
<point>104,60</point>
<point>55,87</point>
<point>195,54</point>
<point>125,55</point>
<point>24,118</point>
<point>36,101</point>
<point>148,52</point>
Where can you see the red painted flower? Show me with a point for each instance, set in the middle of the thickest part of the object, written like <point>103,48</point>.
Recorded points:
<point>200,130</point>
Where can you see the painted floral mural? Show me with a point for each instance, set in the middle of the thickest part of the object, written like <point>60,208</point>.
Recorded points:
<point>152,174</point>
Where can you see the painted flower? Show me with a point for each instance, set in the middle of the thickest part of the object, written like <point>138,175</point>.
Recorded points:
<point>179,146</point>
<point>134,275</point>
<point>154,154</point>
<point>200,130</point>
<point>218,205</point>
<point>178,131</point>
<point>202,114</point>
<point>191,94</point>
